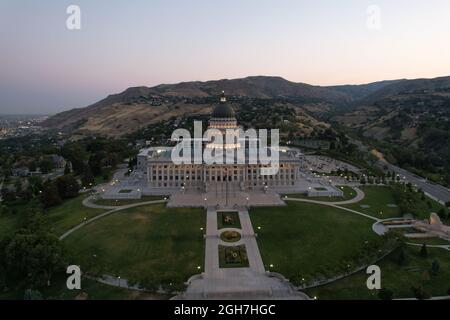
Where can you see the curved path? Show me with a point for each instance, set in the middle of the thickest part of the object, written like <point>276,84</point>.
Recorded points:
<point>87,203</point>
<point>116,209</point>
<point>359,196</point>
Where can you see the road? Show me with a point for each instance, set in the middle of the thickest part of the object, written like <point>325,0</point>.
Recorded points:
<point>436,191</point>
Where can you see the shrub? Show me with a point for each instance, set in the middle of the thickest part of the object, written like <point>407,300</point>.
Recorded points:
<point>385,294</point>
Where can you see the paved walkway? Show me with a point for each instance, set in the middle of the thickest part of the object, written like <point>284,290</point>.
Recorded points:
<point>236,283</point>
<point>359,197</point>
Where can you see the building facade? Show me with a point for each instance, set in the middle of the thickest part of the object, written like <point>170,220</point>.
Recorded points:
<point>160,171</point>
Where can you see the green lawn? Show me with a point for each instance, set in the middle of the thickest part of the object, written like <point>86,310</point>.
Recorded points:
<point>304,240</point>
<point>151,244</point>
<point>377,198</point>
<point>349,193</point>
<point>90,289</point>
<point>122,202</point>
<point>10,222</point>
<point>69,214</point>
<point>395,277</point>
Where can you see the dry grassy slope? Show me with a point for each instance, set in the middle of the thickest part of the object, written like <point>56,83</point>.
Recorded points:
<point>117,120</point>
<point>117,110</point>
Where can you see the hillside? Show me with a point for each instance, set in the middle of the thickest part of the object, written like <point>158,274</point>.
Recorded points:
<point>386,110</point>
<point>409,121</point>
<point>138,107</point>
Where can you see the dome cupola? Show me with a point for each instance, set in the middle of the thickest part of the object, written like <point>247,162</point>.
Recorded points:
<point>223,110</point>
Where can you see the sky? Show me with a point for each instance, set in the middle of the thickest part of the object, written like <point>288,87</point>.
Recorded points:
<point>47,68</point>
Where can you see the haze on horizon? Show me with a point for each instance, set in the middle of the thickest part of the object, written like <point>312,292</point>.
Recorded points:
<point>46,68</point>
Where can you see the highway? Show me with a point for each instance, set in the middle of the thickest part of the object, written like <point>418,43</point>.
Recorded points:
<point>436,191</point>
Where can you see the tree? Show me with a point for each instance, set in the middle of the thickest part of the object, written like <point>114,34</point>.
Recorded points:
<point>95,162</point>
<point>385,294</point>
<point>32,166</point>
<point>76,154</point>
<point>88,178</point>
<point>442,213</point>
<point>33,255</point>
<point>419,293</point>
<point>50,195</point>
<point>8,195</point>
<point>31,294</point>
<point>435,266</point>
<point>401,257</point>
<point>424,251</point>
<point>68,186</point>
<point>67,169</point>
<point>18,185</point>
<point>45,165</point>
<point>35,185</point>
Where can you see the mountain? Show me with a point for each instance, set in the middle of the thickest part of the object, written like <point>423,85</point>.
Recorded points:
<point>403,87</point>
<point>359,92</point>
<point>137,107</point>
<point>409,120</point>
<point>140,106</point>
<point>396,110</point>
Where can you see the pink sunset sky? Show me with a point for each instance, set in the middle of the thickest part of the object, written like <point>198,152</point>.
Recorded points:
<point>46,68</point>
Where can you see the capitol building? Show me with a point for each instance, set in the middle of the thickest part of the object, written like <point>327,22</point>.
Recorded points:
<point>160,175</point>
<point>161,172</point>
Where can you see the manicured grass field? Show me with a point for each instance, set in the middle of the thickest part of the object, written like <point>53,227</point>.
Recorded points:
<point>69,214</point>
<point>122,202</point>
<point>151,245</point>
<point>395,277</point>
<point>304,240</point>
<point>377,198</point>
<point>349,193</point>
